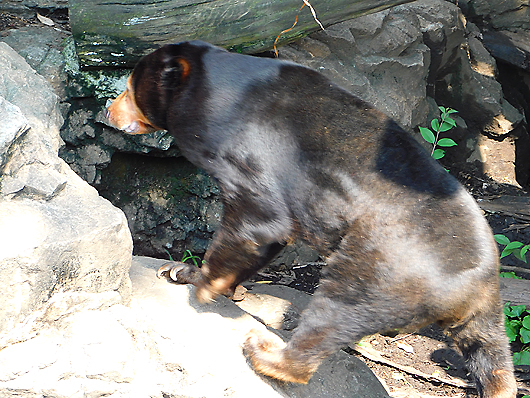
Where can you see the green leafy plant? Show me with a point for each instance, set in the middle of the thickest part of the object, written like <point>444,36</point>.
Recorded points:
<point>516,248</point>
<point>517,317</point>
<point>445,123</point>
<point>188,255</point>
<point>510,274</point>
<point>517,324</point>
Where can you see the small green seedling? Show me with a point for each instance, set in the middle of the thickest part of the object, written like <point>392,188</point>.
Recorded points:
<point>188,255</point>
<point>445,123</point>
<point>517,324</point>
<point>516,248</point>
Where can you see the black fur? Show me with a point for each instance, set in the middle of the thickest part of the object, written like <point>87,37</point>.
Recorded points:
<point>297,157</point>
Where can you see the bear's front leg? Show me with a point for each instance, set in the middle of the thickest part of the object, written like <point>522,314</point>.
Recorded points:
<point>229,261</point>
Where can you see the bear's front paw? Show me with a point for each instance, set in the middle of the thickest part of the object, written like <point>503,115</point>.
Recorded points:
<point>180,272</point>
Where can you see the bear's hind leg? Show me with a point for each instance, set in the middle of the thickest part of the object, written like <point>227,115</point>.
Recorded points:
<point>326,326</point>
<point>485,347</point>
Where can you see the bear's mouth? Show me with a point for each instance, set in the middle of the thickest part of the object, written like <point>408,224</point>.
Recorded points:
<point>132,128</point>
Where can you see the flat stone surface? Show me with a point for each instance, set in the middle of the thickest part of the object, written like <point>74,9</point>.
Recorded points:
<point>205,340</point>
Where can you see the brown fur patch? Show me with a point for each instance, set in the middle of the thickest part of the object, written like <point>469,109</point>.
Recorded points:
<point>125,114</point>
<point>267,357</point>
<point>208,291</point>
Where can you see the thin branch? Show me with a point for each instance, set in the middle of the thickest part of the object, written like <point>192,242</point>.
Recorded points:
<point>375,356</point>
<point>313,12</point>
<point>306,3</point>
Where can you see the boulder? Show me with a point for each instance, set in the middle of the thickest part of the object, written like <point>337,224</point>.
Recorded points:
<point>41,47</point>
<point>28,8</point>
<point>57,233</point>
<point>379,57</point>
<point>14,123</point>
<point>165,344</point>
<point>510,47</point>
<point>499,14</point>
<point>396,58</point>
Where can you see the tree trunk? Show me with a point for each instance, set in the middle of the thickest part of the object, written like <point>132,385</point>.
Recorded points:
<point>117,33</point>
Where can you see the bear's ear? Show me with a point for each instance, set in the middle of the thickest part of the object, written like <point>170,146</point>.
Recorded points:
<point>175,70</point>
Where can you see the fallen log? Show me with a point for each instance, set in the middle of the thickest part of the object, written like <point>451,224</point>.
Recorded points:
<point>117,33</point>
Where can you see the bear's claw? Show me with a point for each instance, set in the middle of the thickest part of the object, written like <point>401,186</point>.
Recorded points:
<point>180,272</point>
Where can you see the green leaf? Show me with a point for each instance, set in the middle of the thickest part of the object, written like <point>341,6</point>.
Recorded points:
<point>435,124</point>
<point>521,358</point>
<point>449,110</point>
<point>506,252</point>
<point>511,332</point>
<point>169,254</point>
<point>450,121</point>
<point>188,255</point>
<point>501,239</point>
<point>525,335</point>
<point>442,109</point>
<point>514,310</point>
<point>445,127</point>
<point>523,251</point>
<point>510,274</point>
<point>446,142</point>
<point>514,245</point>
<point>427,135</point>
<point>438,154</point>
<point>510,247</point>
<point>519,255</point>
<point>526,322</point>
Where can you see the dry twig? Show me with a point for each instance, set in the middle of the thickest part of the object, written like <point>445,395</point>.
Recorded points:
<point>306,3</point>
<point>375,356</point>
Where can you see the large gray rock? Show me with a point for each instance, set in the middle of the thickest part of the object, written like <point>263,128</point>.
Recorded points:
<point>56,233</point>
<point>165,344</point>
<point>396,58</point>
<point>510,47</point>
<point>379,57</point>
<point>499,14</point>
<point>14,123</point>
<point>473,90</point>
<point>28,7</point>
<point>41,47</point>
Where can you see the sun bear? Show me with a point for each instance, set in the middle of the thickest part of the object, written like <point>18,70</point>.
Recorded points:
<point>297,157</point>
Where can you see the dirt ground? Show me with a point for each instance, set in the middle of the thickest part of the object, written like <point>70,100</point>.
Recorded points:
<point>427,351</point>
